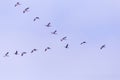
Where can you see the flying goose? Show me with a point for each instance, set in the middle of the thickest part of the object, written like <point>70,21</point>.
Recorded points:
<point>16,53</point>
<point>6,55</point>
<point>48,25</point>
<point>17,4</point>
<point>64,38</point>
<point>66,46</point>
<point>83,42</point>
<point>47,48</point>
<point>26,9</point>
<point>54,32</point>
<point>36,18</point>
<point>103,46</point>
<point>23,53</point>
<point>33,50</point>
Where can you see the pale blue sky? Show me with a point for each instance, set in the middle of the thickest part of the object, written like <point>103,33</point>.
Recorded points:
<point>93,21</point>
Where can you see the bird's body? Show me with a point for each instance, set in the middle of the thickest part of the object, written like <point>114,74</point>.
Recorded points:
<point>48,25</point>
<point>64,38</point>
<point>47,48</point>
<point>36,18</point>
<point>26,10</point>
<point>23,53</point>
<point>103,46</point>
<point>83,42</point>
<point>17,4</point>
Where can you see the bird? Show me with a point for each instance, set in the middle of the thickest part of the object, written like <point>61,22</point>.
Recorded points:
<point>26,9</point>
<point>83,42</point>
<point>23,53</point>
<point>103,46</point>
<point>54,32</point>
<point>48,25</point>
<point>33,50</point>
<point>17,4</point>
<point>64,38</point>
<point>36,18</point>
<point>6,55</point>
<point>16,53</point>
<point>47,48</point>
<point>66,46</point>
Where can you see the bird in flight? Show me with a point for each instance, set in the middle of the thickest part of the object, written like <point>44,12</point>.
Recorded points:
<point>64,38</point>
<point>48,25</point>
<point>66,46</point>
<point>54,32</point>
<point>47,48</point>
<point>33,50</point>
<point>36,18</point>
<point>26,9</point>
<point>16,53</point>
<point>23,53</point>
<point>17,4</point>
<point>83,42</point>
<point>103,46</point>
<point>6,55</point>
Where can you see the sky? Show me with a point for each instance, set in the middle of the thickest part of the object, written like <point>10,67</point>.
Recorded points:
<point>93,21</point>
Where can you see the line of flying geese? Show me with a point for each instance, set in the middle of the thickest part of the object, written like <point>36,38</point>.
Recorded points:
<point>54,32</point>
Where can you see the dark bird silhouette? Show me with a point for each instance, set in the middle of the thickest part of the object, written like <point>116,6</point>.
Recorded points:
<point>48,25</point>
<point>66,46</point>
<point>103,46</point>
<point>16,53</point>
<point>17,4</point>
<point>6,55</point>
<point>55,32</point>
<point>83,42</point>
<point>47,48</point>
<point>36,18</point>
<point>23,53</point>
<point>64,38</point>
<point>33,50</point>
<point>26,9</point>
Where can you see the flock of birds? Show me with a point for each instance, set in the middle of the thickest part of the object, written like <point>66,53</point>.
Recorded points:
<point>54,32</point>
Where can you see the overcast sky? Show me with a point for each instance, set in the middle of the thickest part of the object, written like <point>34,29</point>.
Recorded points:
<point>95,21</point>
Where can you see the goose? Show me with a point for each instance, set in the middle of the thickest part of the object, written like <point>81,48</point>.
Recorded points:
<point>47,48</point>
<point>64,38</point>
<point>83,42</point>
<point>26,9</point>
<point>6,55</point>
<point>55,32</point>
<point>66,46</point>
<point>33,50</point>
<point>36,18</point>
<point>103,46</point>
<point>16,53</point>
<point>48,25</point>
<point>17,4</point>
<point>23,53</point>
